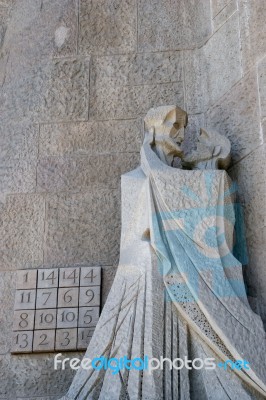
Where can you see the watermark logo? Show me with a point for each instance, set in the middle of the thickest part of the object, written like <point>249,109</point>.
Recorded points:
<point>146,364</point>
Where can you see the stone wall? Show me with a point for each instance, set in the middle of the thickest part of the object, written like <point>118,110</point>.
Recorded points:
<point>76,78</point>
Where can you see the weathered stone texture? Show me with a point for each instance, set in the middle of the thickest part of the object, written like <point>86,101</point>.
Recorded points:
<point>55,90</point>
<point>218,6</point>
<point>162,28</point>
<point>34,375</point>
<point>237,116</point>
<point>251,178</point>
<point>90,138</point>
<point>21,231</point>
<point>18,141</point>
<point>262,86</point>
<point>107,27</point>
<point>18,176</point>
<point>252,31</point>
<point>82,227</point>
<point>213,69</point>
<point>127,86</point>
<point>81,172</point>
<point>225,14</point>
<point>42,28</point>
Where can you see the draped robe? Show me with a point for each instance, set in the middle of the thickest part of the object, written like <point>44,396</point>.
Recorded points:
<point>178,292</point>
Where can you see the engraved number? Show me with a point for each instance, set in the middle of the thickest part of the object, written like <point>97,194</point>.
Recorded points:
<point>48,296</point>
<point>25,295</point>
<point>90,294</point>
<point>90,276</point>
<point>68,316</point>
<point>87,315</point>
<point>50,277</point>
<point>72,276</point>
<point>48,318</point>
<point>66,338</point>
<point>24,338</point>
<point>23,320</point>
<point>43,343</point>
<point>67,297</point>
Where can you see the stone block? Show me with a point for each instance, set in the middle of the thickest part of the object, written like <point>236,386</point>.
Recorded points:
<point>107,27</point>
<point>218,6</point>
<point>252,31</point>
<point>42,29</point>
<point>23,320</point>
<point>224,14</point>
<point>74,223</point>
<point>209,75</point>
<point>124,102</point>
<point>160,29</point>
<point>90,276</point>
<point>90,138</point>
<point>48,278</point>
<point>222,59</point>
<point>89,297</point>
<point>22,342</point>
<point>18,140</point>
<point>69,277</point>
<point>56,174</point>
<point>7,295</point>
<point>68,297</point>
<point>25,299</point>
<point>56,90</point>
<point>45,319</point>
<point>237,117</point>
<point>26,279</point>
<point>67,318</point>
<point>84,337</point>
<point>250,175</point>
<point>43,340</point>
<point>46,298</point>
<point>262,86</point>
<point>195,70</point>
<point>88,317</point>
<point>66,339</point>
<point>33,376</point>
<point>137,69</point>
<point>17,176</point>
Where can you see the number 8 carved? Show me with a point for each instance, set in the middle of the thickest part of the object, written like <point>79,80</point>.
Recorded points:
<point>23,323</point>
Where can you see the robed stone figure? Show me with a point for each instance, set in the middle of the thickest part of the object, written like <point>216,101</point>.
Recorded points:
<point>179,290</point>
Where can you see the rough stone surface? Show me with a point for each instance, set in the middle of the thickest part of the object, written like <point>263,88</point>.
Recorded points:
<point>218,6</point>
<point>41,28</point>
<point>90,138</point>
<point>107,27</point>
<point>252,31</point>
<point>22,229</point>
<point>251,178</point>
<point>54,90</point>
<point>214,68</point>
<point>81,172</point>
<point>74,228</point>
<point>159,28</point>
<point>236,115</point>
<point>225,14</point>
<point>262,86</point>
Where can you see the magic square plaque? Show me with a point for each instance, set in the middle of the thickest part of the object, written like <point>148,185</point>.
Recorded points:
<point>55,309</point>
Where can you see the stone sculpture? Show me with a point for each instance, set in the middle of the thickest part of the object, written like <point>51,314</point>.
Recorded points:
<point>178,291</point>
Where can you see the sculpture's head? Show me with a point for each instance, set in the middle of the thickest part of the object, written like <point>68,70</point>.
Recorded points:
<point>212,152</point>
<point>166,125</point>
